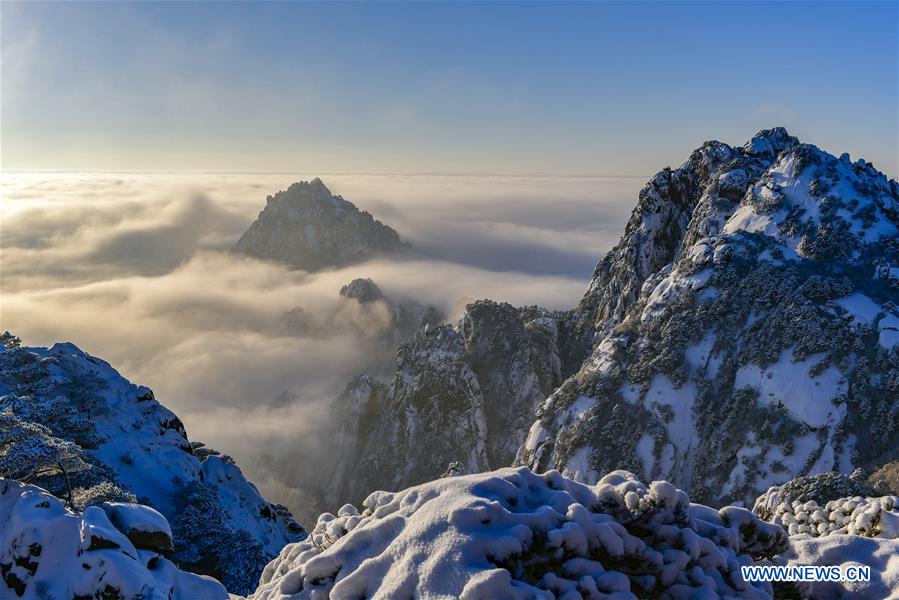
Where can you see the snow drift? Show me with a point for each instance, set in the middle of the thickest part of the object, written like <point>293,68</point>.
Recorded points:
<point>48,551</point>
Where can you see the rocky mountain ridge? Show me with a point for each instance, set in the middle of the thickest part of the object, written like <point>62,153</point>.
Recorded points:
<point>755,328</point>
<point>748,316</point>
<point>136,448</point>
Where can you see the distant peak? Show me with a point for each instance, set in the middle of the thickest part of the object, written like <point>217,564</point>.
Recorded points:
<point>309,228</point>
<point>364,290</point>
<point>317,185</point>
<point>309,189</point>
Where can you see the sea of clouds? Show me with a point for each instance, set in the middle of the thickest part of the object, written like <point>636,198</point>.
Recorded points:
<point>134,268</point>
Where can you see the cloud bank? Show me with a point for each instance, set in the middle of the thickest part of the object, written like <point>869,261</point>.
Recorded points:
<point>133,268</point>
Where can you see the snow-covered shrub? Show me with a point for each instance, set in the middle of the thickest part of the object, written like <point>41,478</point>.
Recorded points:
<point>8,340</point>
<point>98,494</point>
<point>820,488</point>
<point>28,450</point>
<point>870,517</point>
<point>513,533</point>
<point>56,412</point>
<point>204,543</point>
<point>48,551</point>
<point>293,526</point>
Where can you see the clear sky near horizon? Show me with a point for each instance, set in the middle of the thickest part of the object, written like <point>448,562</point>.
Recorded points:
<point>609,88</point>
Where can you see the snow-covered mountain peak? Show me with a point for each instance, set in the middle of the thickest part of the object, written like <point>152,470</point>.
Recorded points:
<point>817,205</point>
<point>303,191</point>
<point>769,143</point>
<point>749,314</point>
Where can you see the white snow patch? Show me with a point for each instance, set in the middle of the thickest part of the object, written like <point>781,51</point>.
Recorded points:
<point>681,430</point>
<point>860,306</point>
<point>698,354</point>
<point>790,384</point>
<point>645,453</point>
<point>578,466</point>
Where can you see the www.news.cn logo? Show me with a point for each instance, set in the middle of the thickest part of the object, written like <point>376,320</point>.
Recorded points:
<point>805,573</point>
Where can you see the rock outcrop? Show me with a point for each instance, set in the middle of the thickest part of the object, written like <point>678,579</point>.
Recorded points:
<point>308,228</point>
<point>138,449</point>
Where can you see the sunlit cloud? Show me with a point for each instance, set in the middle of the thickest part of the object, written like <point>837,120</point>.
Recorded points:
<point>134,268</point>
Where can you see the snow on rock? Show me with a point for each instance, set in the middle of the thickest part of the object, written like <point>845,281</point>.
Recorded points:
<point>865,311</point>
<point>48,551</point>
<point>820,488</point>
<point>830,503</point>
<point>871,517</point>
<point>463,393</point>
<point>516,534</point>
<point>743,331</point>
<point>789,383</point>
<point>837,520</point>
<point>136,446</point>
<point>881,555</point>
<point>146,528</point>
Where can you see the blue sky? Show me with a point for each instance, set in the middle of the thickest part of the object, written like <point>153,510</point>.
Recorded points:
<point>589,88</point>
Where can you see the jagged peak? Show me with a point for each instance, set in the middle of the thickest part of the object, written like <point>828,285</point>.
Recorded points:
<point>314,189</point>
<point>308,227</point>
<point>770,142</point>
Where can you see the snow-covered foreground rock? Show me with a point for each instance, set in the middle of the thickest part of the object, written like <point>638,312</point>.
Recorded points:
<point>48,551</point>
<point>136,449</point>
<point>516,534</point>
<point>881,555</point>
<point>829,528</point>
<point>814,506</point>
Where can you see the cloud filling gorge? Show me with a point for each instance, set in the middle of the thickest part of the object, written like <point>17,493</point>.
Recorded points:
<point>133,268</point>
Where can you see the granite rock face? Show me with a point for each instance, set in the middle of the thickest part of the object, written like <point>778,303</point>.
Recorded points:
<point>742,332</point>
<point>308,228</point>
<point>462,396</point>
